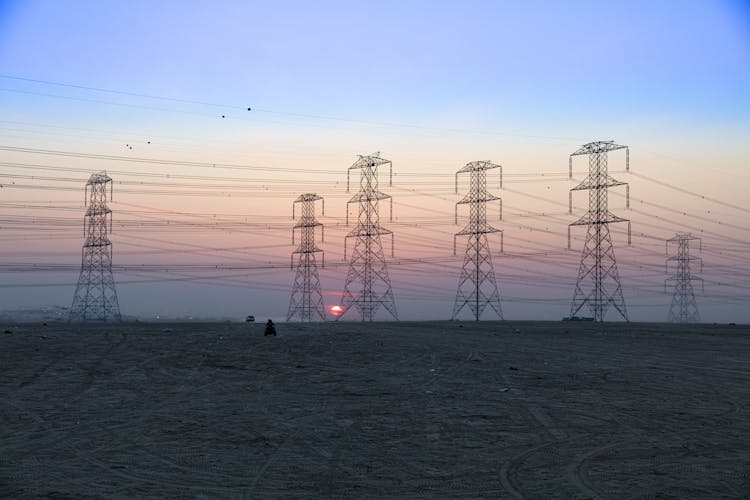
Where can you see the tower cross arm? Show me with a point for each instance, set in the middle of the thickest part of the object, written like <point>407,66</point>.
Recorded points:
<point>477,166</point>
<point>98,178</point>
<point>373,230</point>
<point>307,197</point>
<point>472,197</point>
<point>588,219</point>
<point>589,183</point>
<point>683,237</point>
<point>683,258</point>
<point>314,223</point>
<point>470,230</point>
<point>307,249</point>
<point>678,277</point>
<point>373,160</point>
<point>368,196</point>
<point>598,147</point>
<point>98,210</point>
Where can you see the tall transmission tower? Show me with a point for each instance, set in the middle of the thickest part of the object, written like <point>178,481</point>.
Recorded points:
<point>306,301</point>
<point>477,287</point>
<point>95,298</point>
<point>367,283</point>
<point>683,309</point>
<point>598,284</point>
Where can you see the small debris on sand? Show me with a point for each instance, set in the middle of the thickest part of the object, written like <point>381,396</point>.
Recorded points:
<point>474,356</point>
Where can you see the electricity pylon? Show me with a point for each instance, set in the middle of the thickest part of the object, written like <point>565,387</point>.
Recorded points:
<point>683,309</point>
<point>598,284</point>
<point>477,287</point>
<point>367,283</point>
<point>95,298</point>
<point>306,301</point>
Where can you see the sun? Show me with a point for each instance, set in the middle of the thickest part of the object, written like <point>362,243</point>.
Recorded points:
<point>336,310</point>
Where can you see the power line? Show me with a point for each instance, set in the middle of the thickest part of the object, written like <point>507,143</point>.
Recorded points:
<point>691,193</point>
<point>157,161</point>
<point>256,110</point>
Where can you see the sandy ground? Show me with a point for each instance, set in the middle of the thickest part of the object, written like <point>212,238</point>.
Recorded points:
<point>435,410</point>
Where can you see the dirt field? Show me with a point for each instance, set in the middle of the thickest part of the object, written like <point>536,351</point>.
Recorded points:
<point>436,410</point>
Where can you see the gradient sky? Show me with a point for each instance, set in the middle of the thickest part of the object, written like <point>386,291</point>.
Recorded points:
<point>433,85</point>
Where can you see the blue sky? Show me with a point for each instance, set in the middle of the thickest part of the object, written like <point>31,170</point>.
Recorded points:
<point>519,65</point>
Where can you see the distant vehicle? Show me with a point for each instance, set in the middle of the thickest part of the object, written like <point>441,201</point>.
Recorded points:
<point>577,318</point>
<point>250,319</point>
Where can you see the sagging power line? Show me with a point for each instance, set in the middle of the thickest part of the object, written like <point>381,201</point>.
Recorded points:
<point>435,239</point>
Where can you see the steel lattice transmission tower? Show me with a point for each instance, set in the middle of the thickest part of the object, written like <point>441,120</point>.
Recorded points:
<point>95,297</point>
<point>367,283</point>
<point>683,309</point>
<point>306,301</point>
<point>598,284</point>
<point>477,287</point>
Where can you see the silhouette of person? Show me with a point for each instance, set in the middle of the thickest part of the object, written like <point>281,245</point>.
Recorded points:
<point>270,329</point>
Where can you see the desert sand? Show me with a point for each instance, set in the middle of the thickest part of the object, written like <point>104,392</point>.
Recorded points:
<point>397,410</point>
